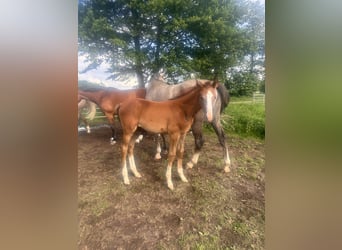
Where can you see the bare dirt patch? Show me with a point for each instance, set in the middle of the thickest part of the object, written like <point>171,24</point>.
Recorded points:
<point>215,210</point>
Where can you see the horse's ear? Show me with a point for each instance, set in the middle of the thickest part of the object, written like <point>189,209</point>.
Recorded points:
<point>199,83</point>
<point>215,83</point>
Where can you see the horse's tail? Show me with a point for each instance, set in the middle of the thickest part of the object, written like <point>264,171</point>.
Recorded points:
<point>92,110</point>
<point>224,94</point>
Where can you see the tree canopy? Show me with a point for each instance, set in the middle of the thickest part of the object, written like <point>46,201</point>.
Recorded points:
<point>201,37</point>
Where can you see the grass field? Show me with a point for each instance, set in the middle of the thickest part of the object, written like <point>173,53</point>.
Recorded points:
<point>215,210</point>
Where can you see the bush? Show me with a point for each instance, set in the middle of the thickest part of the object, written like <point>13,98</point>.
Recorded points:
<point>242,84</point>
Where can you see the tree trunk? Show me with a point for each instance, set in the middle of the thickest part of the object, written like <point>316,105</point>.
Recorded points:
<point>138,64</point>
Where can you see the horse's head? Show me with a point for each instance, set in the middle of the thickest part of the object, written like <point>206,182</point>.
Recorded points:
<point>208,96</point>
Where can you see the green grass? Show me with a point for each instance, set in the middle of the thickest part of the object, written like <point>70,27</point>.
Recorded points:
<point>245,119</point>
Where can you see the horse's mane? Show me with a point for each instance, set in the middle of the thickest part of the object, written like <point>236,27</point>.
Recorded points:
<point>224,94</point>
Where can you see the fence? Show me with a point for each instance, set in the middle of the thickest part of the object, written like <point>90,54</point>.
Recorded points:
<point>258,97</point>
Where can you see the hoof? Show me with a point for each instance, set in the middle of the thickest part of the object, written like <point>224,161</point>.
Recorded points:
<point>189,165</point>
<point>170,186</point>
<point>184,179</point>
<point>157,157</point>
<point>138,175</point>
<point>126,182</point>
<point>227,169</point>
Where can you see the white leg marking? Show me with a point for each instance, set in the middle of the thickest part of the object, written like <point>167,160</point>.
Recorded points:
<point>158,156</point>
<point>193,161</point>
<point>88,129</point>
<point>227,162</point>
<point>139,139</point>
<point>133,166</point>
<point>112,141</point>
<point>125,173</point>
<point>168,177</point>
<point>180,171</point>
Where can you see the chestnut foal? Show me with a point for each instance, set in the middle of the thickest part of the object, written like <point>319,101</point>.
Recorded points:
<point>173,117</point>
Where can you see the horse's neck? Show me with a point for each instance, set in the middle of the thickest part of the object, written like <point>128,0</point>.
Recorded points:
<point>180,89</point>
<point>95,96</point>
<point>190,102</point>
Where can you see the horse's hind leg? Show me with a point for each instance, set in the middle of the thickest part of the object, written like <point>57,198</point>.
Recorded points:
<point>164,143</point>
<point>158,150</point>
<point>198,136</point>
<point>222,139</point>
<point>113,138</point>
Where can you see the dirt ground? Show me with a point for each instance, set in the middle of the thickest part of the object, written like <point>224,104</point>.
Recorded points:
<point>215,210</point>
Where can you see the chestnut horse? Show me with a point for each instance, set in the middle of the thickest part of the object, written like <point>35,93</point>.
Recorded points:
<point>173,117</point>
<point>108,100</point>
<point>159,90</point>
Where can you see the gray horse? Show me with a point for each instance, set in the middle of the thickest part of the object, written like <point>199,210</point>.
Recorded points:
<point>159,90</point>
<point>90,107</point>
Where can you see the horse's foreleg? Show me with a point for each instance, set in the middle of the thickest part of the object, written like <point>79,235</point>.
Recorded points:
<point>125,141</point>
<point>172,153</point>
<point>222,139</point>
<point>180,153</point>
<point>131,159</point>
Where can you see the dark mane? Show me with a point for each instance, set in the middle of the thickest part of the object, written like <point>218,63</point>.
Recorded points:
<point>224,94</point>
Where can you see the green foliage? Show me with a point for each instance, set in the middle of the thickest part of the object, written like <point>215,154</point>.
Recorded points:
<point>183,37</point>
<point>242,84</point>
<point>83,84</point>
<point>245,119</point>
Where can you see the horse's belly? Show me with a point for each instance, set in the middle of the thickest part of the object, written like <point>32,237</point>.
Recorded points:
<point>153,127</point>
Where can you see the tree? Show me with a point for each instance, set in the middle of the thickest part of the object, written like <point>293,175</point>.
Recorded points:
<point>249,74</point>
<point>181,36</point>
<point>242,84</point>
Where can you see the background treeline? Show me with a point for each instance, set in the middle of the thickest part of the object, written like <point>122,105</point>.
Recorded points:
<point>186,38</point>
